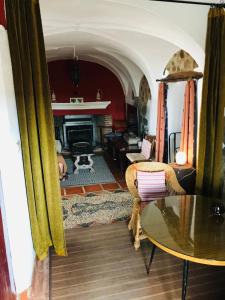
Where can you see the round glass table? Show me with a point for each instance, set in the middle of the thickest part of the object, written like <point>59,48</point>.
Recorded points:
<point>191,227</point>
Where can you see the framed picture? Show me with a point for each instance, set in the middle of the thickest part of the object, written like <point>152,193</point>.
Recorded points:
<point>76,100</point>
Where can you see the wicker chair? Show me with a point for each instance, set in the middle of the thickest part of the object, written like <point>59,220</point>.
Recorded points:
<point>172,184</point>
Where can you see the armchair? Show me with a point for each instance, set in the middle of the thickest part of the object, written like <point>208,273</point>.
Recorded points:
<point>172,187</point>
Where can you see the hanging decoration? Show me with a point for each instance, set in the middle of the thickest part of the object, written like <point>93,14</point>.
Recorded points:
<point>144,98</point>
<point>75,72</point>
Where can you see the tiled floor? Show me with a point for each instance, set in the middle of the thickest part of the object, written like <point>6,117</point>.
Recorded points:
<point>119,184</point>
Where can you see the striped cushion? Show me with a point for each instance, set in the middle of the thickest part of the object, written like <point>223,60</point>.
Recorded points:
<point>151,185</point>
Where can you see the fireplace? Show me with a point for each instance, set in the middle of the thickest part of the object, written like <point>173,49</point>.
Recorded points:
<point>82,133</point>
<point>79,128</point>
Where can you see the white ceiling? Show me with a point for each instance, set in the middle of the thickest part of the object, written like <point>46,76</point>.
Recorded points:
<point>130,37</point>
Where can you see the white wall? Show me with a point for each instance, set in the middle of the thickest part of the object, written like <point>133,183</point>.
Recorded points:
<point>125,32</point>
<point>175,104</point>
<point>14,200</point>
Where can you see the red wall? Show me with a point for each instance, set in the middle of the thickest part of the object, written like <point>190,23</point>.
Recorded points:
<point>5,289</point>
<point>2,13</point>
<point>92,77</point>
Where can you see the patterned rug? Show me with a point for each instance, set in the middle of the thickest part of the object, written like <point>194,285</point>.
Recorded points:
<point>102,173</point>
<point>96,208</point>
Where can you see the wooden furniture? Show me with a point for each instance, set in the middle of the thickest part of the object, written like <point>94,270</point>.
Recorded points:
<point>186,176</point>
<point>131,175</point>
<point>118,149</point>
<point>184,226</point>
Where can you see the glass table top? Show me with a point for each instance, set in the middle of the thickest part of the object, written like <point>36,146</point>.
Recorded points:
<point>186,226</point>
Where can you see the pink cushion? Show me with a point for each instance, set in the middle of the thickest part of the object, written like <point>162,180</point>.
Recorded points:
<point>151,185</point>
<point>146,148</point>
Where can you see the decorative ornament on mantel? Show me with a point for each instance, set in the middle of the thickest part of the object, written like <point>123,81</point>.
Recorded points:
<point>98,95</point>
<point>53,96</point>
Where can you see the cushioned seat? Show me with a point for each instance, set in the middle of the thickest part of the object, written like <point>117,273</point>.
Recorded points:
<point>62,166</point>
<point>133,157</point>
<point>146,151</point>
<point>147,181</point>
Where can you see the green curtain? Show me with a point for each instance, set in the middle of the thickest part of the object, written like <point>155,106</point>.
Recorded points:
<point>210,165</point>
<point>36,125</point>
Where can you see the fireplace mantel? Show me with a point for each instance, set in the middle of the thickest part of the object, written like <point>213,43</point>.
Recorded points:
<point>83,105</point>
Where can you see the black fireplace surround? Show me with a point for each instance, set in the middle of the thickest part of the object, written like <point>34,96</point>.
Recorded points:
<point>79,128</point>
<point>81,133</point>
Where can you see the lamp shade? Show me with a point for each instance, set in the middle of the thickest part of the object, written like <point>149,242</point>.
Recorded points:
<point>181,158</point>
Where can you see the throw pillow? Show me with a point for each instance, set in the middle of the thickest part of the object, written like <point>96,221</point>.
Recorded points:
<point>146,148</point>
<point>151,185</point>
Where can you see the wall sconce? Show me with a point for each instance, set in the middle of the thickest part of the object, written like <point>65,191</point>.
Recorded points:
<point>181,158</point>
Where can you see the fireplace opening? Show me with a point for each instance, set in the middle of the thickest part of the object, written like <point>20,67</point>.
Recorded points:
<point>79,128</point>
<point>84,128</point>
<point>82,133</point>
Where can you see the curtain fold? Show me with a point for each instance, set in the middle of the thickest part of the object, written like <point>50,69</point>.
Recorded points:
<point>188,122</point>
<point>210,167</point>
<point>161,123</point>
<point>36,125</point>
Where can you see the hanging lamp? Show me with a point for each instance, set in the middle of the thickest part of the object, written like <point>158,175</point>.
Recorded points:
<point>75,72</point>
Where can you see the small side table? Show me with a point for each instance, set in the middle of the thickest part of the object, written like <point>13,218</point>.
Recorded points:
<point>186,176</point>
<point>83,162</point>
<point>82,153</point>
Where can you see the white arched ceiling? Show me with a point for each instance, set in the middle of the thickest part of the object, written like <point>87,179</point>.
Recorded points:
<point>131,37</point>
<point>182,25</point>
<point>131,27</point>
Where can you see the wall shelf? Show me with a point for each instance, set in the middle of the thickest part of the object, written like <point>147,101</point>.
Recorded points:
<point>84,105</point>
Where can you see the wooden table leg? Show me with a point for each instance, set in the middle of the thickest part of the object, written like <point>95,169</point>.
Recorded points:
<point>185,278</point>
<point>151,258</point>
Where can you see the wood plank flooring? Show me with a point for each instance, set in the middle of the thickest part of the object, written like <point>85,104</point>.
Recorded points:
<point>103,265</point>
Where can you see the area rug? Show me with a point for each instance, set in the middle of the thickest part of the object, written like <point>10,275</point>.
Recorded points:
<point>102,173</point>
<point>96,208</point>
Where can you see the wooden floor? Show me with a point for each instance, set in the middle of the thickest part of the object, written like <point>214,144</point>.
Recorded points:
<point>102,264</point>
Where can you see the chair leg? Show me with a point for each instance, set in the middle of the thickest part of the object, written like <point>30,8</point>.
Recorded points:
<point>131,222</point>
<point>137,242</point>
<point>151,258</point>
<point>134,214</point>
<point>185,278</point>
